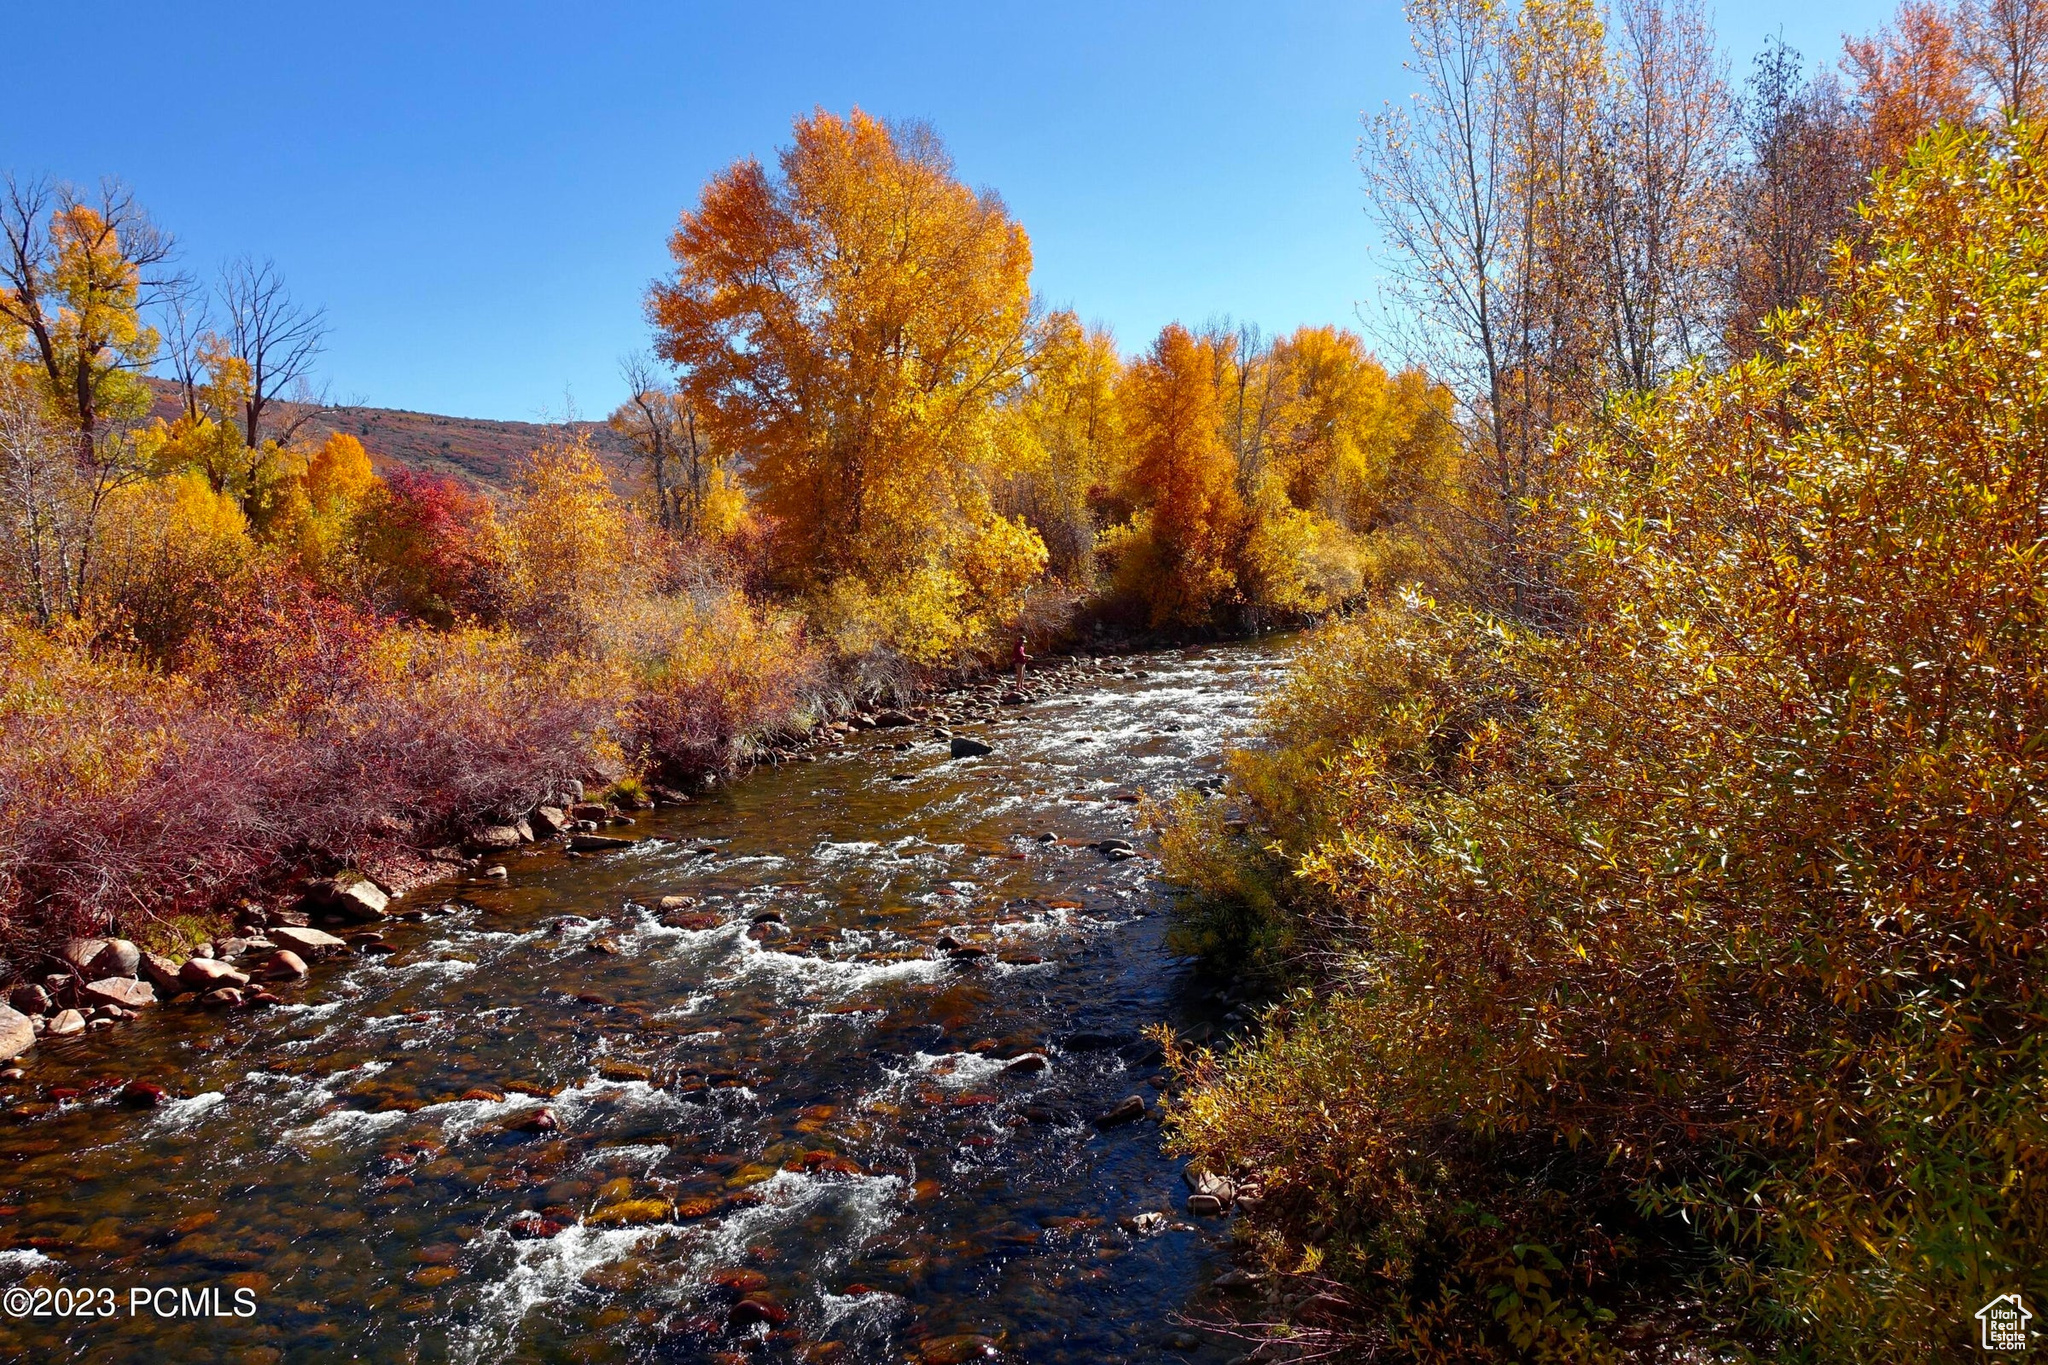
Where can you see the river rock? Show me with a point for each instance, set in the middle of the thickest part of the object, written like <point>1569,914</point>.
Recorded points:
<point>757,1308</point>
<point>495,838</point>
<point>162,973</point>
<point>210,974</point>
<point>547,820</point>
<point>539,1121</point>
<point>226,998</point>
<point>1028,1063</point>
<point>17,1033</point>
<point>957,1350</point>
<point>1221,1188</point>
<point>79,952</point>
<point>1206,1205</point>
<point>118,958</point>
<point>889,719</point>
<point>30,999</point>
<point>594,811</point>
<point>350,896</point>
<point>528,1227</point>
<point>283,965</point>
<point>123,991</point>
<point>1127,1110</point>
<point>64,1024</point>
<point>597,843</point>
<point>142,1094</point>
<point>963,747</point>
<point>307,943</point>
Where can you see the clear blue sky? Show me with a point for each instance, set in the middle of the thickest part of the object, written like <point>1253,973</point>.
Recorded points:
<point>479,193</point>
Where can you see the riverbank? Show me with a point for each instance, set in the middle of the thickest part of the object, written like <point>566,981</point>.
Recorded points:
<point>786,1085</point>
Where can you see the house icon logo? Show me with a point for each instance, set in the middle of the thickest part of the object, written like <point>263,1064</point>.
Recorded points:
<point>2003,1323</point>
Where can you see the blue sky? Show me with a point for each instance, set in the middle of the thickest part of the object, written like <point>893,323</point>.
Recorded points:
<point>479,193</point>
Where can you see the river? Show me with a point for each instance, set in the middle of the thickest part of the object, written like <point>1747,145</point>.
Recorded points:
<point>828,1119</point>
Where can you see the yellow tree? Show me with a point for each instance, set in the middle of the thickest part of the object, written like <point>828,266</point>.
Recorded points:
<point>1062,435</point>
<point>74,280</point>
<point>851,323</point>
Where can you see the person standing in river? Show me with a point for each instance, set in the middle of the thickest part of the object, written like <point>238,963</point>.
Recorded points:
<point>1017,657</point>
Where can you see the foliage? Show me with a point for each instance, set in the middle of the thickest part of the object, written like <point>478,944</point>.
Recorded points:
<point>852,324</point>
<point>1715,916</point>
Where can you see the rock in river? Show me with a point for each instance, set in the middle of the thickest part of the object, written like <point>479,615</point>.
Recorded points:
<point>307,943</point>
<point>283,965</point>
<point>162,973</point>
<point>350,896</point>
<point>1127,1110</point>
<point>964,747</point>
<point>596,843</point>
<point>17,1033</point>
<point>124,991</point>
<point>206,974</point>
<point>64,1024</point>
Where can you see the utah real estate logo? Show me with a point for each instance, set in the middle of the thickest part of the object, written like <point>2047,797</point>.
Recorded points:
<point>2003,1323</point>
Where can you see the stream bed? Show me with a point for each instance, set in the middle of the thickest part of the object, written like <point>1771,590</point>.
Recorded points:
<point>813,1141</point>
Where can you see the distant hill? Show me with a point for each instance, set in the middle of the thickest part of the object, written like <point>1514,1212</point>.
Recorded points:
<point>475,451</point>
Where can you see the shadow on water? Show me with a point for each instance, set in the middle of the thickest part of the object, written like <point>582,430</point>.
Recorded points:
<point>815,1144</point>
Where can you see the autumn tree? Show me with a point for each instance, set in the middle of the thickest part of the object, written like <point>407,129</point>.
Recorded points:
<point>274,338</point>
<point>1179,553</point>
<point>2005,43</point>
<point>1908,78</point>
<point>1062,443</point>
<point>1796,194</point>
<point>76,273</point>
<point>689,482</point>
<point>851,322</point>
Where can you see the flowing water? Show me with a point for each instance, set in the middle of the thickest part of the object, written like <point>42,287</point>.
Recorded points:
<point>826,1118</point>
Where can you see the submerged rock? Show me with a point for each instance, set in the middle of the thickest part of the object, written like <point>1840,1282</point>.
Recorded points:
<point>1127,1110</point>
<point>597,843</point>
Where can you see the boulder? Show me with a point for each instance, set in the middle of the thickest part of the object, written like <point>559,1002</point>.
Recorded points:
<point>667,903</point>
<point>307,943</point>
<point>283,965</point>
<point>227,997</point>
<point>30,999</point>
<point>118,958</point>
<point>596,843</point>
<point>210,974</point>
<point>350,896</point>
<point>123,991</point>
<point>79,952</point>
<point>162,973</point>
<point>495,838</point>
<point>65,1024</point>
<point>889,719</point>
<point>1028,1063</point>
<point>1127,1110</point>
<point>1218,1187</point>
<point>547,820</point>
<point>590,810</point>
<point>964,747</point>
<point>17,1033</point>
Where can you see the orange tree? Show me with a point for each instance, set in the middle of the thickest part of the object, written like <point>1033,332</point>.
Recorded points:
<point>1715,920</point>
<point>850,326</point>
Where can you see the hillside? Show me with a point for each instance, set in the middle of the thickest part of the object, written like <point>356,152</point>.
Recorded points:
<point>476,451</point>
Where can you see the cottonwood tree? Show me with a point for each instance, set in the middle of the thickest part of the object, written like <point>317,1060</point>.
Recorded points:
<point>1908,77</point>
<point>275,339</point>
<point>2005,42</point>
<point>852,323</point>
<point>661,425</point>
<point>77,271</point>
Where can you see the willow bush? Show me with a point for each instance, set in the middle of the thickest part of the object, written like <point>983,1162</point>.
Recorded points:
<point>1690,955</point>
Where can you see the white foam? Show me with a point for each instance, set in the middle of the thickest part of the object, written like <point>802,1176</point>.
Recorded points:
<point>182,1114</point>
<point>546,1270</point>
